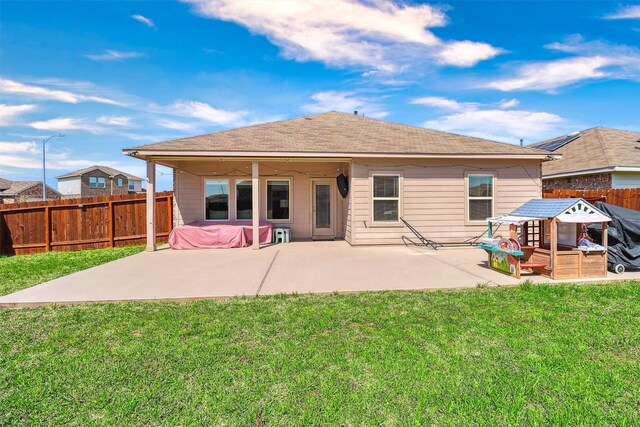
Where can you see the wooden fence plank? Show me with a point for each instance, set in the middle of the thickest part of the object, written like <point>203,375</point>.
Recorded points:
<point>111,225</point>
<point>74,224</point>
<point>47,228</point>
<point>625,197</point>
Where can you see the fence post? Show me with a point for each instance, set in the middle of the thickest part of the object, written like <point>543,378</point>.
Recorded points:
<point>1,233</point>
<point>169,213</point>
<point>47,229</point>
<point>112,226</point>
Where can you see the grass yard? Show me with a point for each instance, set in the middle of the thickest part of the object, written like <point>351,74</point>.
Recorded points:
<point>20,272</point>
<point>534,354</point>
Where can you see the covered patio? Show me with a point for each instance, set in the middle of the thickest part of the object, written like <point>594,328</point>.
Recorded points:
<point>298,267</point>
<point>297,193</point>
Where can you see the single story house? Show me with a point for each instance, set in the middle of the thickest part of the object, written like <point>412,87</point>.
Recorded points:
<point>98,181</point>
<point>445,185</point>
<point>593,159</point>
<point>24,191</point>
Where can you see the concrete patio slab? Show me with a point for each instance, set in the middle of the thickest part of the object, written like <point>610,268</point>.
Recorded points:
<point>298,267</point>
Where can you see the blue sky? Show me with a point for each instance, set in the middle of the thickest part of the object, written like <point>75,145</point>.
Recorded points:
<point>111,74</point>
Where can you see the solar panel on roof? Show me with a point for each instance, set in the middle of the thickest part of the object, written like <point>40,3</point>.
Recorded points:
<point>557,143</point>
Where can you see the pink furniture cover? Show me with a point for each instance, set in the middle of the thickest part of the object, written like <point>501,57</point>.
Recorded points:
<point>207,234</point>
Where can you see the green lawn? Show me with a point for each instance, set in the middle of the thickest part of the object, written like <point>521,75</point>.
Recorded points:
<point>564,354</point>
<point>19,272</point>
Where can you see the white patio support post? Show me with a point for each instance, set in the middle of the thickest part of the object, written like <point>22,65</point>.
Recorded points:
<point>151,206</point>
<point>255,204</point>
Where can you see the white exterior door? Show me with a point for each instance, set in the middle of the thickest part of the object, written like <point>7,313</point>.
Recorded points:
<point>322,210</point>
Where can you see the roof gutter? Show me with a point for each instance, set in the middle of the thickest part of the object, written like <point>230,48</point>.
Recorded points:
<point>593,171</point>
<point>266,156</point>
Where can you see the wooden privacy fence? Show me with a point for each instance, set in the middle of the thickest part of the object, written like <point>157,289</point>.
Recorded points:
<point>76,224</point>
<point>625,197</point>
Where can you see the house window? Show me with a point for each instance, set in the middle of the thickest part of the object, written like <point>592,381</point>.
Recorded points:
<point>120,182</point>
<point>216,199</point>
<point>97,182</point>
<point>132,185</point>
<point>278,199</point>
<point>480,197</point>
<point>386,198</point>
<point>244,199</point>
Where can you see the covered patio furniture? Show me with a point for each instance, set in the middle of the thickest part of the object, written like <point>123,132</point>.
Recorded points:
<point>209,234</point>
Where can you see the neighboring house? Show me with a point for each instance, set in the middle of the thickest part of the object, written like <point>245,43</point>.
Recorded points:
<point>98,181</point>
<point>24,191</point>
<point>596,158</point>
<point>445,185</point>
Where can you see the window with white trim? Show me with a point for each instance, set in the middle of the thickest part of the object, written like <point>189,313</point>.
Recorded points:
<point>386,198</point>
<point>97,182</point>
<point>278,199</point>
<point>244,199</point>
<point>216,199</point>
<point>120,182</point>
<point>132,185</point>
<point>480,194</point>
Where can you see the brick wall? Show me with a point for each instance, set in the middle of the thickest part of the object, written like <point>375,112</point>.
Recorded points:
<point>31,194</point>
<point>87,191</point>
<point>35,192</point>
<point>581,182</point>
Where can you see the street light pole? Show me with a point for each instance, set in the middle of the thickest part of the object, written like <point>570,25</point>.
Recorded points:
<point>44,168</point>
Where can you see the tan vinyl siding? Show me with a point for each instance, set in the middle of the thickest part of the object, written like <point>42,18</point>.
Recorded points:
<point>347,218</point>
<point>433,197</point>
<point>189,191</point>
<point>188,200</point>
<point>433,194</point>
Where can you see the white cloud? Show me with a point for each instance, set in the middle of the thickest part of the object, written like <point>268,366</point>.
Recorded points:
<point>509,103</point>
<point>382,34</point>
<point>590,61</point>
<point>114,55</point>
<point>144,20</point>
<point>67,124</point>
<point>176,125</point>
<point>114,120</point>
<point>346,102</point>
<point>18,147</point>
<point>487,121</point>
<point>628,12</point>
<point>206,113</point>
<point>40,92</point>
<point>27,155</point>
<point>445,103</point>
<point>467,53</point>
<point>9,113</point>
<point>500,125</point>
<point>553,74</point>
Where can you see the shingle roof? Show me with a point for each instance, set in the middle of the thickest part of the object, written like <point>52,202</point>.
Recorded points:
<point>105,169</point>
<point>596,148</point>
<point>4,184</point>
<point>18,187</point>
<point>565,210</point>
<point>337,133</point>
<point>544,208</point>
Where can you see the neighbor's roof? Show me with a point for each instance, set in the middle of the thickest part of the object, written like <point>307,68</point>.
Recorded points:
<point>18,187</point>
<point>595,149</point>
<point>4,184</point>
<point>105,169</point>
<point>566,210</point>
<point>336,133</point>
